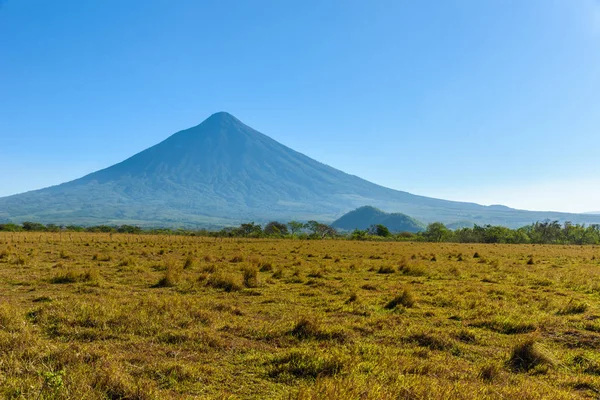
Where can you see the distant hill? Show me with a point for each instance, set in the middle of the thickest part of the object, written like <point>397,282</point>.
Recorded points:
<point>364,217</point>
<point>223,172</point>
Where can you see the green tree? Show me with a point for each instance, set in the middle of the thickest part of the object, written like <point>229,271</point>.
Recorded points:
<point>250,230</point>
<point>275,228</point>
<point>437,232</point>
<point>10,227</point>
<point>295,227</point>
<point>380,230</point>
<point>319,230</point>
<point>129,229</point>
<point>358,234</point>
<point>33,226</point>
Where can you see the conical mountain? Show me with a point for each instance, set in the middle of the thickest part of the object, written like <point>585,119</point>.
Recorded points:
<point>367,216</point>
<point>224,172</point>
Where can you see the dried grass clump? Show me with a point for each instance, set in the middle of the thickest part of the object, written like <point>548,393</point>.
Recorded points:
<point>210,268</point>
<point>353,297</point>
<point>18,259</point>
<point>225,282</point>
<point>411,270</point>
<point>386,269</point>
<point>405,299</point>
<point>250,276</point>
<point>277,274</point>
<point>170,278</point>
<point>127,262</point>
<point>489,373</point>
<point>316,273</point>
<point>90,275</point>
<point>573,307</point>
<point>525,356</point>
<point>307,328</point>
<point>70,276</point>
<point>368,286</point>
<point>466,336</point>
<point>265,266</point>
<point>507,326</point>
<point>189,262</point>
<point>430,341</point>
<point>115,383</point>
<point>304,365</point>
<point>237,259</point>
<point>65,277</point>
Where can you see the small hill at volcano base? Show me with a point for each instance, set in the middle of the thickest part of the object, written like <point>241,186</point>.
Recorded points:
<point>223,172</point>
<point>365,217</point>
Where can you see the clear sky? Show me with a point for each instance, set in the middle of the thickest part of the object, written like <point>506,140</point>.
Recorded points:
<point>495,102</point>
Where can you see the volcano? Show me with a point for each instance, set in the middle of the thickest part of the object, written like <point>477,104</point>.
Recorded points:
<point>223,172</point>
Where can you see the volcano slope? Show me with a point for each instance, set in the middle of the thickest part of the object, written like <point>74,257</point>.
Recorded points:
<point>223,172</point>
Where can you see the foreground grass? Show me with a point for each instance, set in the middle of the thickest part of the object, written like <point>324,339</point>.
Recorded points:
<point>99,316</point>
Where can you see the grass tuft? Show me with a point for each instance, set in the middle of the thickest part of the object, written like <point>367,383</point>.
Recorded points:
<point>307,328</point>
<point>405,299</point>
<point>66,277</point>
<point>353,297</point>
<point>489,373</point>
<point>430,341</point>
<point>411,270</point>
<point>70,276</point>
<point>189,262</point>
<point>466,336</point>
<point>250,276</point>
<point>525,357</point>
<point>277,274</point>
<point>127,262</point>
<point>210,268</point>
<point>265,267</point>
<point>573,307</point>
<point>223,281</point>
<point>237,259</point>
<point>170,278</point>
<point>302,365</point>
<point>386,269</point>
<point>507,326</point>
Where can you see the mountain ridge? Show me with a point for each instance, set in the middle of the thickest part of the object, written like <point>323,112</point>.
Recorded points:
<point>224,172</point>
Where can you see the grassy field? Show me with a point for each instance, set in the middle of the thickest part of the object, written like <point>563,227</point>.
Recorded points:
<point>99,316</point>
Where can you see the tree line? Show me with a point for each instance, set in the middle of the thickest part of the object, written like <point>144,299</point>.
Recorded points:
<point>545,232</point>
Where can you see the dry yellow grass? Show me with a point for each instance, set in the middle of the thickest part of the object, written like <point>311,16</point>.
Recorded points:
<point>100,316</point>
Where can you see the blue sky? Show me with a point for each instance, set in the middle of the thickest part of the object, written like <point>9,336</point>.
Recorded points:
<point>496,101</point>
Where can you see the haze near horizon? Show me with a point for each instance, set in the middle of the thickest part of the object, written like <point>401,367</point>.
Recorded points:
<point>493,103</point>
